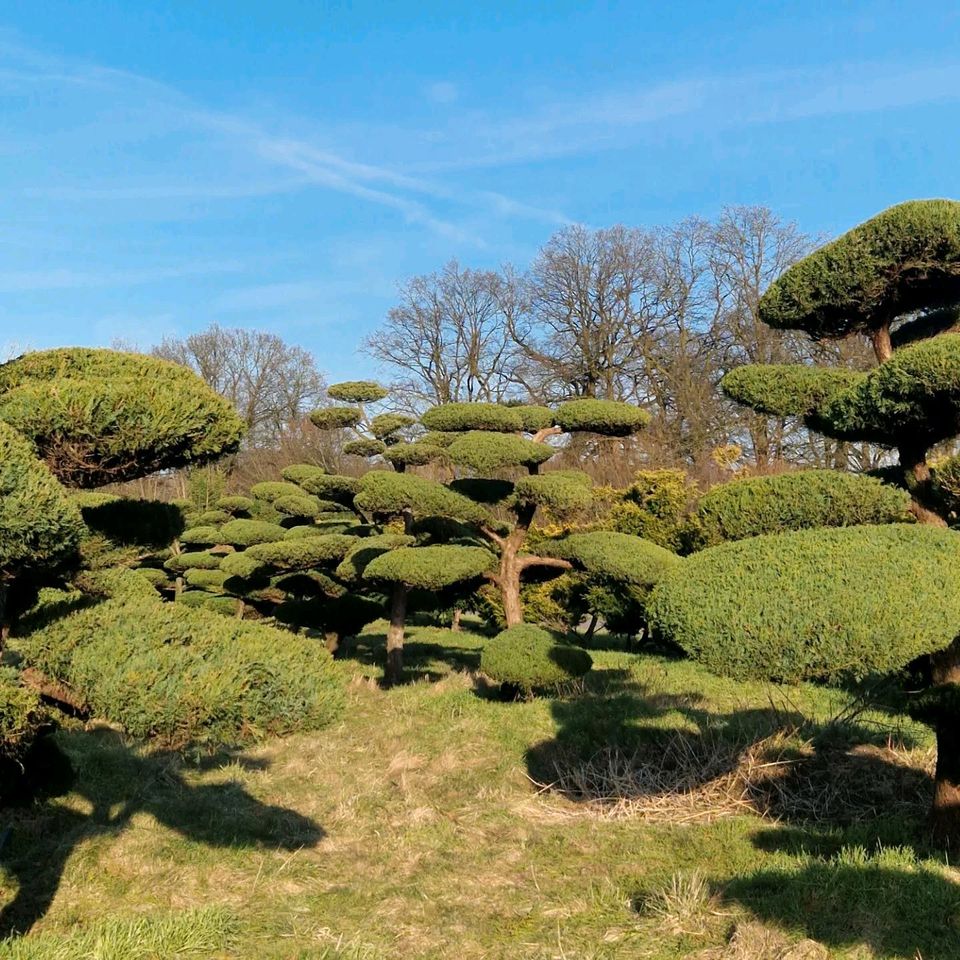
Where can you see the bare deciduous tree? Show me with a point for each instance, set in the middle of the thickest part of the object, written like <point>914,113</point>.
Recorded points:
<point>448,338</point>
<point>271,383</point>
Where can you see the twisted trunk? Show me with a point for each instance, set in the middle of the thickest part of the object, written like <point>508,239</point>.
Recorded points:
<point>916,470</point>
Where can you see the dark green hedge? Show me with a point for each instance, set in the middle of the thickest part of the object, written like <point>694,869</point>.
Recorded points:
<point>531,659</point>
<point>815,603</point>
<point>786,389</point>
<point>796,501</point>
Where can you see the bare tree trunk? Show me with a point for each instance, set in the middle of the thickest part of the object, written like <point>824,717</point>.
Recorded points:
<point>398,616</point>
<point>455,624</point>
<point>882,345</point>
<point>919,483</point>
<point>331,640</point>
<point>945,809</point>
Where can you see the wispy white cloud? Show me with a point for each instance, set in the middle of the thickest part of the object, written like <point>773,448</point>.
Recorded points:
<point>62,278</point>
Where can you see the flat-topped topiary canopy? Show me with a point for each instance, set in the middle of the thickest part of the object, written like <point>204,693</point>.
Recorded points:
<point>902,262</point>
<point>101,416</point>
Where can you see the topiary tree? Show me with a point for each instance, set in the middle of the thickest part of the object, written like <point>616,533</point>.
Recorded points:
<point>377,435</point>
<point>493,443</point>
<point>896,280</point>
<point>100,416</point>
<point>528,659</point>
<point>829,604</point>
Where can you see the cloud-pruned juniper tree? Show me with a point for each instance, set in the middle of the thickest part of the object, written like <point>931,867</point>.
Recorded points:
<point>494,443</point>
<point>861,598</point>
<point>895,280</point>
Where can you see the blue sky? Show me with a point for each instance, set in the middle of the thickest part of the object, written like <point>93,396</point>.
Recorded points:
<point>284,165</point>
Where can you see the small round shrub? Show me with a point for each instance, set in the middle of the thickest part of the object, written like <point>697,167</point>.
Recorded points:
<point>357,391</point>
<point>212,518</point>
<point>534,417</point>
<point>364,447</point>
<point>193,560</point>
<point>331,487</point>
<point>797,501</point>
<point>210,580</point>
<point>814,604</point>
<point>245,533</point>
<point>336,418</point>
<point>298,472</point>
<point>271,490</point>
<point>301,505</point>
<point>158,578</point>
<point>491,452</point>
<point>205,536</point>
<point>243,565</point>
<point>530,659</point>
<point>235,505</point>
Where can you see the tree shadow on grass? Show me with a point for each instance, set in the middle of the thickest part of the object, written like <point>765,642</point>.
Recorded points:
<point>427,659</point>
<point>118,782</point>
<point>850,888</point>
<point>623,742</point>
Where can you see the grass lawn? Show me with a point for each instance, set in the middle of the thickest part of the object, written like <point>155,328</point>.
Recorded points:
<point>690,817</point>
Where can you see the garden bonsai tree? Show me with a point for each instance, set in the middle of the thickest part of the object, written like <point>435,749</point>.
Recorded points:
<point>101,416</point>
<point>895,280</point>
<point>493,444</point>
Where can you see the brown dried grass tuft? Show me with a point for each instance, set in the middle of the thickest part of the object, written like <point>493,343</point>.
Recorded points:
<point>683,777</point>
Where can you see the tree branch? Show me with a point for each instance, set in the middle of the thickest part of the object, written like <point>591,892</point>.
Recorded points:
<point>532,560</point>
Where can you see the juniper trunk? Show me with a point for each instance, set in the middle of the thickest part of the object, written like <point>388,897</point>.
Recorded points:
<point>398,617</point>
<point>945,811</point>
<point>511,568</point>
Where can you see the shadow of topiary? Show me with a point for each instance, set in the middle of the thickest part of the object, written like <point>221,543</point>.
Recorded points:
<point>119,782</point>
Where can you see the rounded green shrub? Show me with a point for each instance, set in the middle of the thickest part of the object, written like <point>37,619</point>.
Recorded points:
<point>363,551</point>
<point>336,418</point>
<point>235,505</point>
<point>40,526</point>
<point>242,565</point>
<point>529,658</point>
<point>302,505</point>
<point>560,491</point>
<point>271,490</point>
<point>210,580</point>
<point>302,553</point>
<point>430,568</point>
<point>298,472</point>
<point>186,675</point>
<point>786,389</point>
<point>414,454</point>
<point>101,416</point>
<point>903,260</point>
<point>611,418</point>
<point>618,556</point>
<point>193,560</point>
<point>357,391</point>
<point>245,533</point>
<point>205,536</point>
<point>364,447</point>
<point>388,494</point>
<point>472,416</point>
<point>814,604</point>
<point>491,452</point>
<point>310,529</point>
<point>385,425</point>
<point>157,578</point>
<point>797,501</point>
<point>332,487</point>
<point>212,518</point>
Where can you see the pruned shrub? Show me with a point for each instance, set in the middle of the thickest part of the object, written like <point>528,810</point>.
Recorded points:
<point>814,604</point>
<point>357,391</point>
<point>185,675</point>
<point>472,416</point>
<point>430,568</point>
<point>336,418</point>
<point>619,556</point>
<point>301,506</point>
<point>656,506</point>
<point>531,659</point>
<point>797,501</point>
<point>302,553</point>
<point>610,418</point>
<point>235,505</point>
<point>193,560</point>
<point>298,472</point>
<point>205,536</point>
<point>246,533</point>
<point>271,490</point>
<point>491,452</point>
